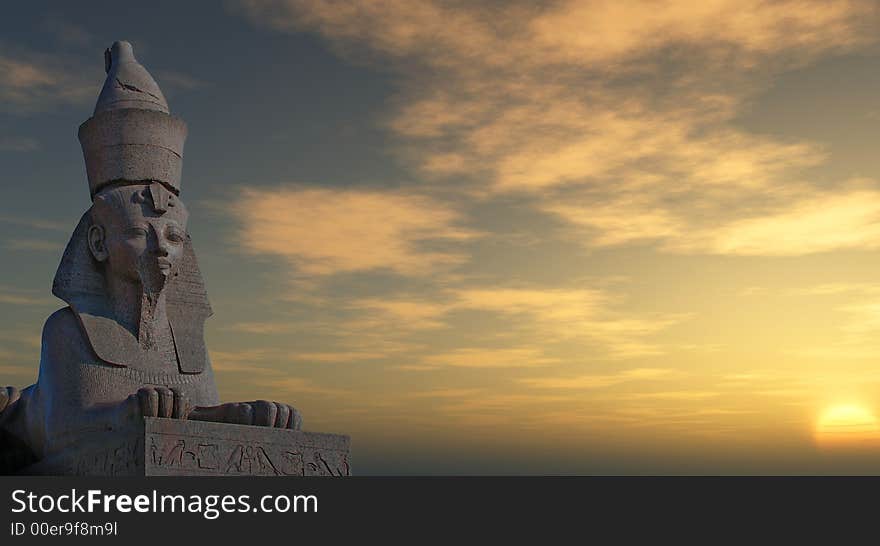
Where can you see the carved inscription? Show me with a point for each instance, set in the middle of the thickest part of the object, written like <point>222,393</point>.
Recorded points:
<point>167,447</point>
<point>122,459</point>
<point>197,455</point>
<point>174,454</point>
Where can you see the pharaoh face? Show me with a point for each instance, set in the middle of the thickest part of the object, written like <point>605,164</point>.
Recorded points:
<point>139,232</point>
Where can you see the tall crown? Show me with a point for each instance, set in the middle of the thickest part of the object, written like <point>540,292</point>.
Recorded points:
<point>131,137</point>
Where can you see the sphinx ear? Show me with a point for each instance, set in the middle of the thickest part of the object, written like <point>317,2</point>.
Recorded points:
<point>97,243</point>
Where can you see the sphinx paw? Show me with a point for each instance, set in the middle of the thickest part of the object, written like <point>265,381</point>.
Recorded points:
<point>265,414</point>
<point>162,402</point>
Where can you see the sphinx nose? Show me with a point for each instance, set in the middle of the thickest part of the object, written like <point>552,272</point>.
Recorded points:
<point>160,244</point>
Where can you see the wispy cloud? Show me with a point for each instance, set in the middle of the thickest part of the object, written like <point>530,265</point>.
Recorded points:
<point>409,314</point>
<point>338,356</point>
<point>445,393</point>
<point>856,323</point>
<point>480,357</point>
<point>599,381</point>
<point>671,395</point>
<point>293,387</point>
<point>262,327</point>
<point>501,402</point>
<point>33,245</point>
<point>611,116</point>
<point>17,363</point>
<point>834,288</point>
<point>820,223</point>
<point>17,370</point>
<point>21,337</point>
<point>32,81</point>
<point>36,223</point>
<point>245,360</point>
<point>325,231</point>
<point>254,372</point>
<point>12,296</point>
<point>548,314</point>
<point>585,33</point>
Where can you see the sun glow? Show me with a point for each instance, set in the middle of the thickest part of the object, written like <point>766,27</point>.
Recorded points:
<point>847,424</point>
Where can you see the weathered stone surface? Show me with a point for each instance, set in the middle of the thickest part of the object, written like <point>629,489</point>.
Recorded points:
<point>128,84</point>
<point>172,447</point>
<point>130,345</point>
<point>134,145</point>
<point>131,137</point>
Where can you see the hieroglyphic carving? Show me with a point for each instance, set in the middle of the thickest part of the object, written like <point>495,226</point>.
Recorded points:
<point>176,454</point>
<point>292,464</point>
<point>173,447</point>
<point>202,456</point>
<point>122,459</point>
<point>251,460</point>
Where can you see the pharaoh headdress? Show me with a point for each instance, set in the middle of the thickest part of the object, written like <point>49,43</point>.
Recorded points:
<point>132,139</point>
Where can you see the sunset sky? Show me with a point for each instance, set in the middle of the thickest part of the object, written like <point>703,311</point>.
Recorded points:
<point>589,237</point>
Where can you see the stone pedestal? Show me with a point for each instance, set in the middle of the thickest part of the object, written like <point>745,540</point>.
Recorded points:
<point>171,447</point>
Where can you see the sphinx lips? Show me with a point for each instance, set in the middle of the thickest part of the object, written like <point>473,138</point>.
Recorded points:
<point>164,265</point>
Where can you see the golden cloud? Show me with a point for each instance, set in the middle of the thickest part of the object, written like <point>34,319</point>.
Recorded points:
<point>512,357</point>
<point>502,402</point>
<point>287,386</point>
<point>325,231</point>
<point>445,393</point>
<point>619,120</point>
<point>338,356</point>
<point>599,381</point>
<point>672,395</point>
<point>11,296</point>
<point>594,32</point>
<point>820,223</point>
<point>23,337</point>
<point>615,117</point>
<point>31,81</point>
<point>21,75</point>
<point>583,32</point>
<point>539,313</point>
<point>261,327</point>
<point>400,313</point>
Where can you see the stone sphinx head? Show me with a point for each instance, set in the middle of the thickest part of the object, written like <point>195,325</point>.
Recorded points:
<point>136,229</point>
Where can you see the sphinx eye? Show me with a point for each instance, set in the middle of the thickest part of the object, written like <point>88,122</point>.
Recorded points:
<point>136,232</point>
<point>176,235</point>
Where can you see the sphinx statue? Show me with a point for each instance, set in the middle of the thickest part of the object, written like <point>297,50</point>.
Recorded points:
<point>130,342</point>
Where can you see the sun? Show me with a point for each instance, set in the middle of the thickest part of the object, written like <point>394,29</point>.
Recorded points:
<point>847,424</point>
